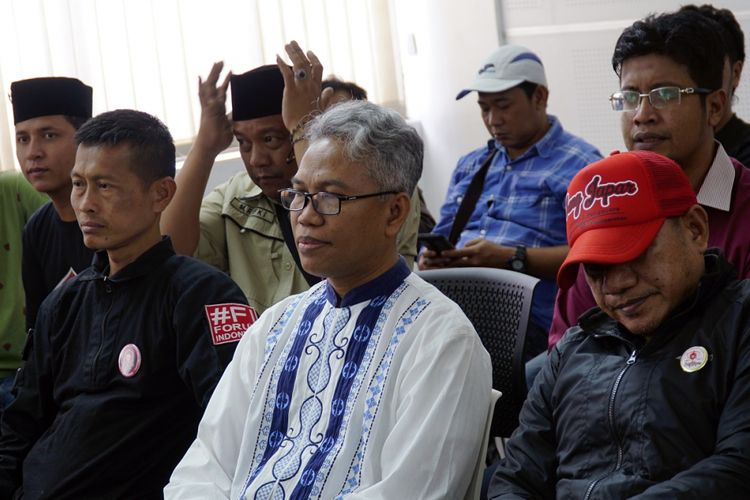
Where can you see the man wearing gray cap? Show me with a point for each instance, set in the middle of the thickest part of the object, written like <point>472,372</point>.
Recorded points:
<point>47,112</point>
<point>240,227</point>
<point>504,206</point>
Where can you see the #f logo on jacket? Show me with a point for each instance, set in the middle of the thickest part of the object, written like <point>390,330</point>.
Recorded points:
<point>228,322</point>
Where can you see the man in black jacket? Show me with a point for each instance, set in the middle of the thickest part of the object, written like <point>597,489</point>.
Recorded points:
<point>124,356</point>
<point>649,395</point>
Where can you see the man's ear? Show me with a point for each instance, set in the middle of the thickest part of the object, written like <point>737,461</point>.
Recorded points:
<point>695,221</point>
<point>736,75</point>
<point>162,191</point>
<point>539,97</point>
<point>399,208</point>
<point>716,102</point>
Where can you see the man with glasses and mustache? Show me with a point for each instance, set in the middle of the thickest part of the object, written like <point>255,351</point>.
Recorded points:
<point>240,227</point>
<point>372,384</point>
<point>670,100</point>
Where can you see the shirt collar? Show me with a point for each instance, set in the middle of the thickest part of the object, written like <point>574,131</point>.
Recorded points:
<point>383,285</point>
<point>251,191</point>
<point>147,261</point>
<point>716,190</point>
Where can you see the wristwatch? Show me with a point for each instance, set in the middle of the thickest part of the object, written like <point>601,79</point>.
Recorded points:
<point>517,263</point>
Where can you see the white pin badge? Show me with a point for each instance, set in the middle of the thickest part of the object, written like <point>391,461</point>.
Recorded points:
<point>693,359</point>
<point>129,361</point>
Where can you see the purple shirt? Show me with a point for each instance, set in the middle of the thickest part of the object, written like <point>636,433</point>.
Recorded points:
<point>725,194</point>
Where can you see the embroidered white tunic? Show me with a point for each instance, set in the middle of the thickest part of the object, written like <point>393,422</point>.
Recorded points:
<point>383,394</point>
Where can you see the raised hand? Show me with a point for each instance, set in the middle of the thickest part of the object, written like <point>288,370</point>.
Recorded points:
<point>215,131</point>
<point>301,86</point>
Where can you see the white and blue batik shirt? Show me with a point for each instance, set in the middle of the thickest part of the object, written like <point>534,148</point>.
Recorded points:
<point>380,394</point>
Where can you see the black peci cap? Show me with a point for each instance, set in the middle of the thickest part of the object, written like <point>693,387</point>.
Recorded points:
<point>257,93</point>
<point>50,96</point>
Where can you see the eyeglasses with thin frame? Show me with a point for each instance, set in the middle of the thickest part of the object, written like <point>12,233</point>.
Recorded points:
<point>324,203</point>
<point>659,98</point>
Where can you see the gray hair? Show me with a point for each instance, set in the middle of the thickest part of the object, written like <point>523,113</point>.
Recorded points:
<point>377,137</point>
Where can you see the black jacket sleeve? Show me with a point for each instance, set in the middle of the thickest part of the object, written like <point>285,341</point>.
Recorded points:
<point>33,409</point>
<point>200,361</point>
<point>530,465</point>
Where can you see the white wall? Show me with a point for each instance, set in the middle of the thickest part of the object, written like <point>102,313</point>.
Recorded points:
<point>574,38</point>
<point>442,43</point>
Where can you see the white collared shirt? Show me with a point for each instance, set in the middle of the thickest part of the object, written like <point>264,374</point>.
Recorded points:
<point>716,190</point>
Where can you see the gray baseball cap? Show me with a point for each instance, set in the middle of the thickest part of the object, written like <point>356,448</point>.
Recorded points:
<point>507,67</point>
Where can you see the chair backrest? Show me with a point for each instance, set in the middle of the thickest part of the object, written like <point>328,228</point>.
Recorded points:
<point>475,488</point>
<point>498,304</point>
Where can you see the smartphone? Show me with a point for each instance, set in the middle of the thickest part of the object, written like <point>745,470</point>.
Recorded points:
<point>435,242</point>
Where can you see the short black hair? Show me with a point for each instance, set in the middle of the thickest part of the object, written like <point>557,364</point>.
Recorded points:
<point>76,121</point>
<point>731,33</point>
<point>152,151</point>
<point>357,92</point>
<point>687,37</point>
<point>528,88</point>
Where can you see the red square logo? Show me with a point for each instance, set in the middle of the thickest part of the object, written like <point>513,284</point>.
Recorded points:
<point>68,276</point>
<point>228,322</point>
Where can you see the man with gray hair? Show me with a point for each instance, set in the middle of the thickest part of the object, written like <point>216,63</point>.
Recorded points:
<point>370,384</point>
<point>240,227</point>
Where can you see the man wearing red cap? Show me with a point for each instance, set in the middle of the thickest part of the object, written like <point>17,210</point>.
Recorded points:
<point>47,112</point>
<point>650,394</point>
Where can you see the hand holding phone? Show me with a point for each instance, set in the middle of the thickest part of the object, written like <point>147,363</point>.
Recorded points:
<point>435,242</point>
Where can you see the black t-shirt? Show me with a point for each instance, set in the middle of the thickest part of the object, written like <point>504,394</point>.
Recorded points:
<point>53,251</point>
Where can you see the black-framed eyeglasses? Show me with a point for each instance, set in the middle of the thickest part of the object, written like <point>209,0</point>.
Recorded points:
<point>324,203</point>
<point>660,98</point>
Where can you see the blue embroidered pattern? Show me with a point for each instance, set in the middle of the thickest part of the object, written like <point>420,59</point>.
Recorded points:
<point>375,391</point>
<point>308,451</point>
<point>356,390</point>
<point>275,416</point>
<point>301,443</point>
<point>278,328</point>
<point>271,342</point>
<point>355,354</point>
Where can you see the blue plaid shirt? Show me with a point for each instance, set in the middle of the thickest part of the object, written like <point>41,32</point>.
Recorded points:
<point>522,202</point>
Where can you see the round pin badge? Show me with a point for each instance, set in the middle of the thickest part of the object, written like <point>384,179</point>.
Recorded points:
<point>693,359</point>
<point>129,361</point>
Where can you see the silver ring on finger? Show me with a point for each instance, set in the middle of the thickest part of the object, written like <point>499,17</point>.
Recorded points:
<point>300,74</point>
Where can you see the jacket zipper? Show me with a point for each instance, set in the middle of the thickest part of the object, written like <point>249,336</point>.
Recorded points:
<point>108,290</point>
<point>611,415</point>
